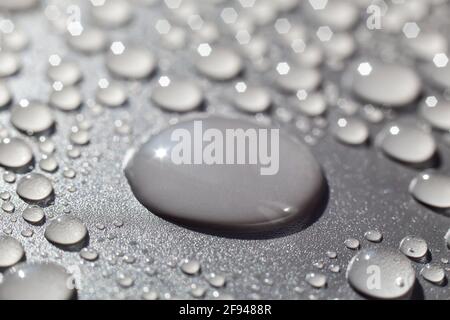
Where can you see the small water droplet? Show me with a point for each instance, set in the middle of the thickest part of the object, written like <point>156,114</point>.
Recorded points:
<point>373,236</point>
<point>190,267</point>
<point>433,273</point>
<point>352,243</point>
<point>316,280</point>
<point>414,247</point>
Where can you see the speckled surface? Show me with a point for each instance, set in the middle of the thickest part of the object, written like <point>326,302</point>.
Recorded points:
<point>366,190</point>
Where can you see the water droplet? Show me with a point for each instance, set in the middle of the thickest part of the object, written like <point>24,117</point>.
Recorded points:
<point>68,73</point>
<point>8,207</point>
<point>125,281</point>
<point>27,233</point>
<point>299,78</point>
<point>438,115</point>
<point>431,188</point>
<point>216,280</point>
<point>178,96</point>
<point>190,267</point>
<point>46,146</point>
<point>48,164</point>
<point>316,280</point>
<point>373,236</point>
<point>5,95</point>
<point>18,5</point>
<point>426,45</point>
<point>17,40</point>
<point>9,64</point>
<point>352,243</point>
<point>246,208</point>
<point>112,14</point>
<point>36,118</point>
<point>414,247</point>
<point>5,195</point>
<point>34,187</point>
<point>150,295</point>
<point>11,252</point>
<point>433,273</point>
<point>66,230</point>
<point>15,154</point>
<point>89,254</point>
<point>66,99</point>
<point>313,105</point>
<point>33,215</point>
<point>9,177</point>
<point>114,95</point>
<point>331,254</point>
<point>351,131</point>
<point>334,268</point>
<point>253,100</point>
<point>79,137</point>
<point>220,64</point>
<point>197,291</point>
<point>133,63</point>
<point>90,41</point>
<point>406,143</point>
<point>447,238</point>
<point>36,282</point>
<point>381,273</point>
<point>388,85</point>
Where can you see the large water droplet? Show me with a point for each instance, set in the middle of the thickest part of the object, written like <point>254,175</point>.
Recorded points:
<point>15,154</point>
<point>36,118</point>
<point>66,230</point>
<point>381,273</point>
<point>225,196</point>
<point>36,282</point>
<point>11,251</point>
<point>406,143</point>
<point>34,187</point>
<point>431,188</point>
